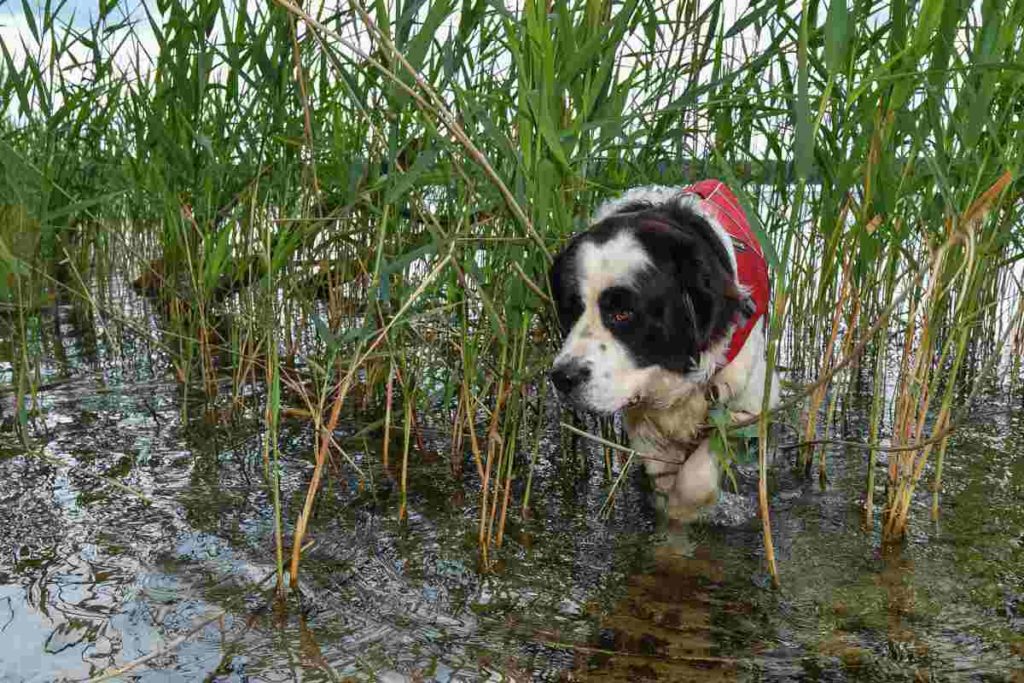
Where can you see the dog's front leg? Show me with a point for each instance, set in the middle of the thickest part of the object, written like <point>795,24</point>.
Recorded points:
<point>684,482</point>
<point>696,484</point>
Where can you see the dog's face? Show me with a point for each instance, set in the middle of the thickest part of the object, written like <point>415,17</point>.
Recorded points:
<point>646,299</point>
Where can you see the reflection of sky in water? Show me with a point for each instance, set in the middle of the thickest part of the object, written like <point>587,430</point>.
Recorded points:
<point>80,610</point>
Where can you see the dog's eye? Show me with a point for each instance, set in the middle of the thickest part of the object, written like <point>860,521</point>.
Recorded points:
<point>618,307</point>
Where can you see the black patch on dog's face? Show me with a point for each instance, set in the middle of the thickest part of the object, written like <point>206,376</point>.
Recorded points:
<point>563,276</point>
<point>678,306</point>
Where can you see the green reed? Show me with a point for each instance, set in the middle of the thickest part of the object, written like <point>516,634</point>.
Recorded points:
<point>376,189</point>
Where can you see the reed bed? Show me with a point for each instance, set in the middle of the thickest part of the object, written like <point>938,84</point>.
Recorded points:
<point>347,211</point>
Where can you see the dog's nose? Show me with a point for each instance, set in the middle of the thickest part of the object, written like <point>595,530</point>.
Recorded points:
<point>567,377</point>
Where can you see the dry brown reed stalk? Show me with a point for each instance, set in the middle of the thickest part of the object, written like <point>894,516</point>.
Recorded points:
<point>912,462</point>
<point>406,434</point>
<point>245,368</point>
<point>474,442</point>
<point>496,512</point>
<point>541,395</point>
<point>531,285</point>
<point>818,395</point>
<point>910,374</point>
<point>508,457</point>
<point>458,433</point>
<point>314,484</point>
<point>907,467</point>
<point>878,399</point>
<point>514,413</point>
<point>902,406</point>
<point>913,408</point>
<point>388,400</point>
<point>763,507</point>
<point>494,444</point>
<point>206,359</point>
<point>271,418</point>
<point>506,493</point>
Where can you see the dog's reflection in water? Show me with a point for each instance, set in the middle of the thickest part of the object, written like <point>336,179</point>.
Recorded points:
<point>662,628</point>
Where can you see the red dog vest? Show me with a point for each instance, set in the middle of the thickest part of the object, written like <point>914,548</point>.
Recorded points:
<point>752,269</point>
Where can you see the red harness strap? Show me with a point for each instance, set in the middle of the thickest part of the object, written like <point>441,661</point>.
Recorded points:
<point>720,202</point>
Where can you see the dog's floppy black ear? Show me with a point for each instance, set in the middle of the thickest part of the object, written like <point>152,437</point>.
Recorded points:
<point>704,273</point>
<point>562,279</point>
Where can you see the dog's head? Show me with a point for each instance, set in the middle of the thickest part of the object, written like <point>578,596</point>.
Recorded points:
<point>646,300</point>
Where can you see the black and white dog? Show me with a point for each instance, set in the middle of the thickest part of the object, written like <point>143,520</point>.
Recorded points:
<point>662,303</point>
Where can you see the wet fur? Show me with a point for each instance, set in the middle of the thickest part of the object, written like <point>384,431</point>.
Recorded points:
<point>655,253</point>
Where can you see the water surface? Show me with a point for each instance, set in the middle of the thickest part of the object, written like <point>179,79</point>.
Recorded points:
<point>93,576</point>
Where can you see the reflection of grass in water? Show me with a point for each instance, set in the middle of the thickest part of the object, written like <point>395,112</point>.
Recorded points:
<point>900,619</point>
<point>941,602</point>
<point>317,225</point>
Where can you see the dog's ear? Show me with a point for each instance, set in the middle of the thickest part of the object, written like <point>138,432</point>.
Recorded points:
<point>563,281</point>
<point>704,272</point>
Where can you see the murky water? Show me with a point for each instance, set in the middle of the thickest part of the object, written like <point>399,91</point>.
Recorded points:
<point>93,576</point>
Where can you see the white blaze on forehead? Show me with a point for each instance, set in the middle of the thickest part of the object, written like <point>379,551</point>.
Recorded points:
<point>616,262</point>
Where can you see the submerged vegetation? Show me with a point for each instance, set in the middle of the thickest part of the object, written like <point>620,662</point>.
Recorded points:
<point>346,213</point>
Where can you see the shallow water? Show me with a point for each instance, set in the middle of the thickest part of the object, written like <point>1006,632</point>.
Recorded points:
<point>93,576</point>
